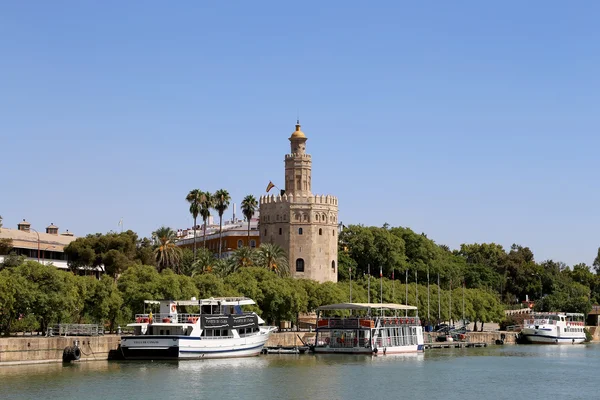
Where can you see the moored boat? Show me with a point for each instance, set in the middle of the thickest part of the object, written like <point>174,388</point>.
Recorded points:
<point>218,328</point>
<point>554,328</point>
<point>393,331</point>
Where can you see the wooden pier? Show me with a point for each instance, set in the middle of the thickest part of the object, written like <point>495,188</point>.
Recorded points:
<point>453,345</point>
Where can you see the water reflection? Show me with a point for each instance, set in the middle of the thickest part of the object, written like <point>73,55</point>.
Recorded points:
<point>452,374</point>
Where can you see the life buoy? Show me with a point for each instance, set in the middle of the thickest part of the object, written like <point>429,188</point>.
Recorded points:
<point>173,308</point>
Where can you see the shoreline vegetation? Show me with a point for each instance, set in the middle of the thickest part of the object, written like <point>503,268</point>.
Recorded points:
<point>477,281</point>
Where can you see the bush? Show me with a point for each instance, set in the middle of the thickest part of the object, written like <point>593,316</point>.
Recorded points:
<point>588,335</point>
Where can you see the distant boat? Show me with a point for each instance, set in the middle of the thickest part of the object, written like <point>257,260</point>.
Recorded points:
<point>554,328</point>
<point>217,329</point>
<point>364,332</point>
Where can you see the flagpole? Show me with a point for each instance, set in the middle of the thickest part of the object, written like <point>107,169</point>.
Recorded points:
<point>369,283</point>
<point>393,299</point>
<point>450,304</point>
<point>381,284</point>
<point>350,271</point>
<point>416,292</point>
<point>439,301</point>
<point>428,295</point>
<point>463,317</point>
<point>406,287</point>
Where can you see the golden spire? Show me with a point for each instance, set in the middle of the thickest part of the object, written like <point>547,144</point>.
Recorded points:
<point>298,134</point>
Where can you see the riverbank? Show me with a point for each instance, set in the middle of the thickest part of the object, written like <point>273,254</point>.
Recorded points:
<point>39,349</point>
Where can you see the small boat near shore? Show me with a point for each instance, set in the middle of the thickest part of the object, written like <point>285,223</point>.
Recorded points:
<point>554,328</point>
<point>216,328</point>
<point>393,331</point>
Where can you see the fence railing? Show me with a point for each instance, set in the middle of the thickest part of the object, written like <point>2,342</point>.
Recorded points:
<point>75,330</point>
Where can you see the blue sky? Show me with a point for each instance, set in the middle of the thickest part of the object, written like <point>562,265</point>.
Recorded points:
<point>470,122</point>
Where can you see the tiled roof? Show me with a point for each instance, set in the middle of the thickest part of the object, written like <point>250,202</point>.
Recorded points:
<point>29,240</point>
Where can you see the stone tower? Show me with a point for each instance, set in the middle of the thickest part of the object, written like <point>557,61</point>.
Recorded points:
<point>303,224</point>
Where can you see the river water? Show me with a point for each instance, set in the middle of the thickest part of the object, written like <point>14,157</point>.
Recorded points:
<point>523,372</point>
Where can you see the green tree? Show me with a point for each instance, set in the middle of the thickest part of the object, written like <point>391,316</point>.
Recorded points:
<point>194,197</point>
<point>273,258</point>
<point>249,206</point>
<point>167,253</point>
<point>206,203</point>
<point>115,262</point>
<point>244,257</point>
<point>204,262</point>
<point>596,263</point>
<point>6,246</point>
<point>139,283</point>
<point>221,200</point>
<point>186,263</point>
<point>55,293</point>
<point>104,301</point>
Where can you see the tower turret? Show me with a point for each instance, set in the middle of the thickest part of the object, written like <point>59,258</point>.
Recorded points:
<point>298,165</point>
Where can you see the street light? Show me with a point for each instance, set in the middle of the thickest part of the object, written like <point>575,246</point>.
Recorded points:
<point>44,253</point>
<point>38,240</point>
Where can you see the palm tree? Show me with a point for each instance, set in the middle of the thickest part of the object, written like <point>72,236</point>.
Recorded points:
<point>244,257</point>
<point>221,202</point>
<point>204,263</point>
<point>206,203</point>
<point>194,197</point>
<point>167,254</point>
<point>273,257</point>
<point>249,205</point>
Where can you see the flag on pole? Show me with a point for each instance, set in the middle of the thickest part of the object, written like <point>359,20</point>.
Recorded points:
<point>270,186</point>
<point>381,272</point>
<point>121,222</point>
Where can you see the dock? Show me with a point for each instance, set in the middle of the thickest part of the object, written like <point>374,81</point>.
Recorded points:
<point>454,345</point>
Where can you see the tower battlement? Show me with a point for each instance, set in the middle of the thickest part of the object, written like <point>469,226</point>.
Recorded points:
<point>297,155</point>
<point>304,199</point>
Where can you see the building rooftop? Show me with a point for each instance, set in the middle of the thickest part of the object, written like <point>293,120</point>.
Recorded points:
<point>29,240</point>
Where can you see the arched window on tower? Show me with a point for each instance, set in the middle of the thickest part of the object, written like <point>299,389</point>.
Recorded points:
<point>240,243</point>
<point>299,231</point>
<point>280,231</point>
<point>333,265</point>
<point>320,231</point>
<point>299,265</point>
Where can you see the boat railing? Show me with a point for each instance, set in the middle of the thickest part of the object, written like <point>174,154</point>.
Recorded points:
<point>364,322</point>
<point>167,318</point>
<point>541,321</point>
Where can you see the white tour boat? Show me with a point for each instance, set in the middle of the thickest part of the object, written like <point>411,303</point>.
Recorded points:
<point>554,328</point>
<point>218,328</point>
<point>365,332</point>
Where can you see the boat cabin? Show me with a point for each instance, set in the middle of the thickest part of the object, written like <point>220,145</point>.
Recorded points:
<point>220,318</point>
<point>366,325</point>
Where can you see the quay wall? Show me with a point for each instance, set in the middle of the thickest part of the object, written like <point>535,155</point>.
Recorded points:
<point>36,349</point>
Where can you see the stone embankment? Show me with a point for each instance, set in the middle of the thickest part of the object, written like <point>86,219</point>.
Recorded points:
<point>39,349</point>
<point>36,349</point>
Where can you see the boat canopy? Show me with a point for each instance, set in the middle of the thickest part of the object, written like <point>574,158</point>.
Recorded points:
<point>366,306</point>
<point>225,301</point>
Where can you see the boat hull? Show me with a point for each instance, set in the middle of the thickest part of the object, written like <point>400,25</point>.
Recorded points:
<point>536,336</point>
<point>417,348</point>
<point>181,348</point>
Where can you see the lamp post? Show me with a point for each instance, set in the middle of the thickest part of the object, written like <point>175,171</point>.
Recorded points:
<point>38,242</point>
<point>44,252</point>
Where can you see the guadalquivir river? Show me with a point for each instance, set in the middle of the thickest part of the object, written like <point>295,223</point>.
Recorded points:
<point>497,372</point>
